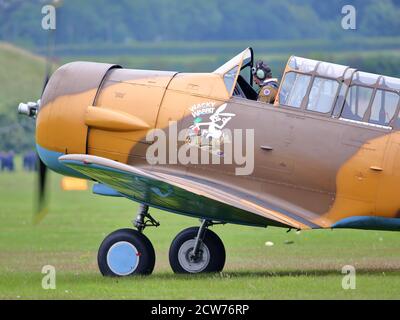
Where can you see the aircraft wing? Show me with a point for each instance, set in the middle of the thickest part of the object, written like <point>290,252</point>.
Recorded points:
<point>184,194</point>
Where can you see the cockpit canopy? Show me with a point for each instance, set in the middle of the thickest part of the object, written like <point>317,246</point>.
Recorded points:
<point>339,91</point>
<point>323,88</point>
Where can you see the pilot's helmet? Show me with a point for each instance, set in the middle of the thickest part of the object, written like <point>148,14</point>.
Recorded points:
<point>261,70</point>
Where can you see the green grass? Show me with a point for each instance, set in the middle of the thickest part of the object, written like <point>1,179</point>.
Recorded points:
<point>68,239</point>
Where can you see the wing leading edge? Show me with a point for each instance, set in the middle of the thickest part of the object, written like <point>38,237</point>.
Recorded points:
<point>183,194</point>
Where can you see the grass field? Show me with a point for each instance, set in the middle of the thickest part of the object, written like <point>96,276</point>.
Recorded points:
<point>308,268</point>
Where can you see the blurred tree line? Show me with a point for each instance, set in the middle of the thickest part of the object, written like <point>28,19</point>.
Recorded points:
<point>121,21</point>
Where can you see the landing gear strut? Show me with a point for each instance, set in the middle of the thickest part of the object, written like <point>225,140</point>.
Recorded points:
<point>195,255</point>
<point>196,250</point>
<point>140,222</point>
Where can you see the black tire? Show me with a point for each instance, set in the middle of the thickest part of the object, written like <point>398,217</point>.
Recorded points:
<point>110,261</point>
<point>214,245</point>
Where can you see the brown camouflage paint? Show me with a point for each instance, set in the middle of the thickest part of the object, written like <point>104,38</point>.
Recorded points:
<point>321,168</point>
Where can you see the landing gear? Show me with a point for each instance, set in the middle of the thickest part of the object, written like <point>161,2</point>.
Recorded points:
<point>196,250</point>
<point>127,252</point>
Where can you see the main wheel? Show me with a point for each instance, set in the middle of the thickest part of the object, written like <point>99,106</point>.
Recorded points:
<point>211,252</point>
<point>126,252</point>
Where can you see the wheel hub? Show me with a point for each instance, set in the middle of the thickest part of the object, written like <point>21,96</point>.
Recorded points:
<point>123,258</point>
<point>190,262</point>
<point>195,257</point>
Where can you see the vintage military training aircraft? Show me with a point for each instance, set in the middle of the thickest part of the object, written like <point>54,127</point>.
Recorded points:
<point>326,153</point>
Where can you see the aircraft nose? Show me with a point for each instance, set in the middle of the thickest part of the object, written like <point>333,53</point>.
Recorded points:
<point>60,121</point>
<point>60,124</point>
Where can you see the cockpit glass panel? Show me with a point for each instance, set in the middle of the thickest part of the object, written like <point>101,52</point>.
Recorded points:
<point>294,89</point>
<point>322,95</point>
<point>384,107</point>
<point>230,78</point>
<point>357,102</point>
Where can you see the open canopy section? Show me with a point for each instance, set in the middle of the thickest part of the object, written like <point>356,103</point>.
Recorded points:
<point>230,70</point>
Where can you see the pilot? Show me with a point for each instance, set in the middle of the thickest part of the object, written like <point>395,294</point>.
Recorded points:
<point>263,78</point>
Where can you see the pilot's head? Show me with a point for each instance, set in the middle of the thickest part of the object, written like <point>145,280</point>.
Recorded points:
<point>261,72</point>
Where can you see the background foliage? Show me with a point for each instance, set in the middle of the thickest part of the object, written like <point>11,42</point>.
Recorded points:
<point>119,21</point>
